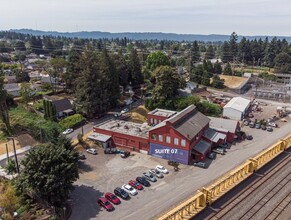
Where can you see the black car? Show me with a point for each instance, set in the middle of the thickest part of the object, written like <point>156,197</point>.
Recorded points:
<point>212,155</point>
<point>121,193</point>
<point>249,137</point>
<point>81,156</point>
<point>143,181</point>
<point>125,154</point>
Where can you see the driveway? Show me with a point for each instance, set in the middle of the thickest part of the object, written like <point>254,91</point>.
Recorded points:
<point>102,173</point>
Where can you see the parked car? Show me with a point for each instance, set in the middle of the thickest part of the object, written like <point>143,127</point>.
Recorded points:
<point>117,114</point>
<point>258,126</point>
<point>200,164</point>
<point>270,129</point>
<point>123,111</point>
<point>251,124</point>
<point>135,184</point>
<point>124,154</point>
<point>272,124</point>
<point>68,131</point>
<point>112,198</point>
<point>162,169</point>
<point>149,176</point>
<point>143,181</point>
<point>156,173</point>
<point>110,151</point>
<point>249,137</point>
<point>105,203</point>
<point>129,189</point>
<point>81,156</point>
<point>92,151</point>
<point>263,127</point>
<point>121,193</point>
<point>212,155</point>
<point>219,151</point>
<point>246,122</point>
<point>224,145</point>
<point>250,115</point>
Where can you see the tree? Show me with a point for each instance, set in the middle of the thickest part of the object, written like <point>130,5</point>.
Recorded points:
<point>210,53</point>
<point>49,110</point>
<point>3,106</point>
<point>227,69</point>
<point>55,69</point>
<point>205,79</point>
<point>26,92</point>
<point>217,68</point>
<point>73,69</point>
<point>226,53</point>
<point>21,76</point>
<point>157,59</point>
<point>49,172</point>
<point>217,82</point>
<point>135,76</point>
<point>283,63</point>
<point>197,73</point>
<point>166,88</point>
<point>195,52</point>
<point>122,69</point>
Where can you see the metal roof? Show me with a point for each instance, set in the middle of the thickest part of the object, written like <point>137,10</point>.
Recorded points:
<point>202,147</point>
<point>223,124</point>
<point>214,136</point>
<point>99,137</point>
<point>238,103</point>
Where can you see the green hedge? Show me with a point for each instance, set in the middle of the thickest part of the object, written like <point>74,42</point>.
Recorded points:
<point>71,121</point>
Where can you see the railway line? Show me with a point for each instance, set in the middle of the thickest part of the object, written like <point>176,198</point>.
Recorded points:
<point>264,195</point>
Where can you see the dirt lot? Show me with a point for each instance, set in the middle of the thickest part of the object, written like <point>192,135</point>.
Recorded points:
<point>232,81</point>
<point>20,141</point>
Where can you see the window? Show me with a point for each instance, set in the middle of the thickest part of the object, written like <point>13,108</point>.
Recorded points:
<point>155,121</point>
<point>168,139</point>
<point>151,121</point>
<point>183,143</point>
<point>154,136</point>
<point>160,138</point>
<point>176,141</point>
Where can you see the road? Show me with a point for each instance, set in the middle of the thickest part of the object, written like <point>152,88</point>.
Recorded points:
<point>175,188</point>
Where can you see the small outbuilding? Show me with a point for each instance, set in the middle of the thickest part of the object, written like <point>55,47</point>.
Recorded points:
<point>236,108</point>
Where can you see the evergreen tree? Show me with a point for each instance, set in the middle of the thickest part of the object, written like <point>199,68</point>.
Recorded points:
<point>195,52</point>
<point>233,46</point>
<point>217,82</point>
<point>226,53</point>
<point>210,53</point>
<point>4,115</point>
<point>205,79</point>
<point>217,68</point>
<point>197,73</point>
<point>227,69</point>
<point>135,76</point>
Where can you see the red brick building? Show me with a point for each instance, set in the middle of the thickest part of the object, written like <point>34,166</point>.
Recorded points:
<point>158,115</point>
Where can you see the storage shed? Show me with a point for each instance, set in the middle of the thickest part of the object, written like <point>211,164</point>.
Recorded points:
<point>236,108</point>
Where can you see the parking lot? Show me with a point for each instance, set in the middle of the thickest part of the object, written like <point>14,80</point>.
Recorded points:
<point>103,173</point>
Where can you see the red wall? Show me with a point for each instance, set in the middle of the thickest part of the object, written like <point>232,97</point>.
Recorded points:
<point>126,141</point>
<point>157,117</point>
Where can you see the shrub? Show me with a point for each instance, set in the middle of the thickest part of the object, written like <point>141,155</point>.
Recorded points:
<point>71,121</point>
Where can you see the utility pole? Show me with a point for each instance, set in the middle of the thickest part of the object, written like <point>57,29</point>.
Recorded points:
<point>7,152</point>
<point>15,155</point>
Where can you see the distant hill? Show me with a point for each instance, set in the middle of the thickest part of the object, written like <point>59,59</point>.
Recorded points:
<point>141,36</point>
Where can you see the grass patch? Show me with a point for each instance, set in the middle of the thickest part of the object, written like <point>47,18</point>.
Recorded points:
<point>38,127</point>
<point>139,114</point>
<point>3,137</point>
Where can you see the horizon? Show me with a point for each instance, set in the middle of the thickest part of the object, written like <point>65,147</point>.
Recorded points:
<point>245,17</point>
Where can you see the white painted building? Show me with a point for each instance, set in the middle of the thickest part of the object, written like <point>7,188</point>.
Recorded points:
<point>236,108</point>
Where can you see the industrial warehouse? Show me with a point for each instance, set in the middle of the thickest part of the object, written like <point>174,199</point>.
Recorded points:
<point>183,137</point>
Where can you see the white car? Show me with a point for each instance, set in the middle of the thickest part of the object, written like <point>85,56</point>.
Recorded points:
<point>124,111</point>
<point>156,173</point>
<point>129,189</point>
<point>162,169</point>
<point>92,151</point>
<point>68,131</point>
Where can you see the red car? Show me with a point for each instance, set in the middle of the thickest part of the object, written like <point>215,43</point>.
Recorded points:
<point>135,184</point>
<point>112,198</point>
<point>104,202</point>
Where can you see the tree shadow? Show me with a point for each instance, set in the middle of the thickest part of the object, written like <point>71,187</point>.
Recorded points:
<point>84,167</point>
<point>84,202</point>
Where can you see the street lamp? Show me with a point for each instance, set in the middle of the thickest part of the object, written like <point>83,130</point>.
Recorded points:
<point>15,155</point>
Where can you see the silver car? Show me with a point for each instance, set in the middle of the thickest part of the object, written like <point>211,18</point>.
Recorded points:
<point>149,176</point>
<point>156,173</point>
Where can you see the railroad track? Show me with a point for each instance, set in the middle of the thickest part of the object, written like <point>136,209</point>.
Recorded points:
<point>247,192</point>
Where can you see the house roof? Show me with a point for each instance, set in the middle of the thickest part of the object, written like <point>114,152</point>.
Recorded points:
<point>214,136</point>
<point>11,87</point>
<point>62,105</point>
<point>238,103</point>
<point>162,112</point>
<point>189,122</point>
<point>99,137</point>
<point>202,147</point>
<point>223,124</point>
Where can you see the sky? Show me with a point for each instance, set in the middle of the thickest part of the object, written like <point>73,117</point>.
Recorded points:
<point>245,17</point>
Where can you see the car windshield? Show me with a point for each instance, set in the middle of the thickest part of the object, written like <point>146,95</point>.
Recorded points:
<point>162,168</point>
<point>113,196</point>
<point>137,183</point>
<point>106,203</point>
<point>157,172</point>
<point>130,188</point>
